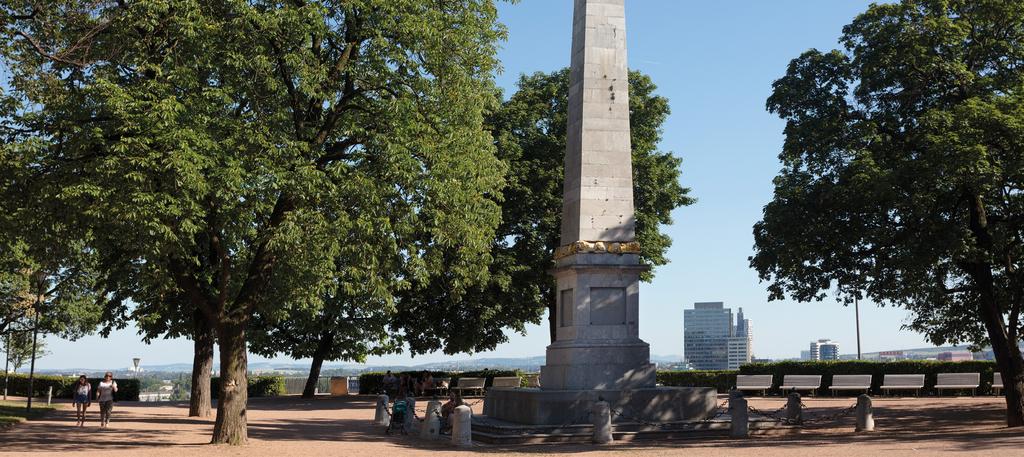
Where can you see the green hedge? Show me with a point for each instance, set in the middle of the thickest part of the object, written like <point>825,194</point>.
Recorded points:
<point>373,382</point>
<point>259,386</point>
<point>19,385</point>
<point>723,380</point>
<point>877,370</point>
<point>63,387</point>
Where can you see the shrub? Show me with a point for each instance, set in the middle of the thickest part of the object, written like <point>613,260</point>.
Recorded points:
<point>259,386</point>
<point>373,382</point>
<point>723,380</point>
<point>877,370</point>
<point>63,387</point>
<point>18,385</point>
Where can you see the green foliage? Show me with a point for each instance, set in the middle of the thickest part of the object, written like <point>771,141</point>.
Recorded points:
<point>877,370</point>
<point>20,350</point>
<point>259,386</point>
<point>723,380</point>
<point>373,382</point>
<point>249,158</point>
<point>530,132</point>
<point>63,386</point>
<point>900,178</point>
<point>18,385</point>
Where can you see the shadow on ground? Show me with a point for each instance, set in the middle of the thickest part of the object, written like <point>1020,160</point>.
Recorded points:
<point>945,424</point>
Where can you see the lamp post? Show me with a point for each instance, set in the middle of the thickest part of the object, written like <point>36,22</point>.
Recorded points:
<point>32,366</point>
<point>856,313</point>
<point>7,365</point>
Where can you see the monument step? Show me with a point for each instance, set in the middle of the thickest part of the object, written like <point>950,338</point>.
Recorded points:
<point>491,431</point>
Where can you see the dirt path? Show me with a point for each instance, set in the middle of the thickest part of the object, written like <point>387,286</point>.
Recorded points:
<point>327,427</point>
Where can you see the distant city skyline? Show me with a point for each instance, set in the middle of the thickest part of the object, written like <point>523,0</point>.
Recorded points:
<point>715,62</point>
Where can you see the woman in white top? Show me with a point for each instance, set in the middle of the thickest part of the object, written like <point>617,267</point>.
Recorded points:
<point>82,399</point>
<point>105,395</point>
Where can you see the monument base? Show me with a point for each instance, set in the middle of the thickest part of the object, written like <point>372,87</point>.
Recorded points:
<point>555,407</point>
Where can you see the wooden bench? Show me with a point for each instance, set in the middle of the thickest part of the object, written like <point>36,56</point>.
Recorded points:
<point>761,382</point>
<point>913,382</point>
<point>997,382</point>
<point>798,382</point>
<point>946,381</point>
<point>506,381</point>
<point>469,384</point>
<point>850,382</point>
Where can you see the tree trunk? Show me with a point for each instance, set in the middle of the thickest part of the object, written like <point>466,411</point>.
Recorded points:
<point>230,427</point>
<point>1011,365</point>
<point>323,349</point>
<point>202,366</point>
<point>1008,356</point>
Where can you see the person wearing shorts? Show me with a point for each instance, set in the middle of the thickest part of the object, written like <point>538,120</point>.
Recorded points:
<point>82,399</point>
<point>105,395</point>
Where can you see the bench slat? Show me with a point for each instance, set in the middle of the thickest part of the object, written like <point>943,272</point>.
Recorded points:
<point>903,381</point>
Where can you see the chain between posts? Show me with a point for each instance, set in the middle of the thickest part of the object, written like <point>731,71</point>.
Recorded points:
<point>831,417</point>
<point>775,415</point>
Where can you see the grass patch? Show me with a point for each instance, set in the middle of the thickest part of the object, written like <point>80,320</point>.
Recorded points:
<point>13,412</point>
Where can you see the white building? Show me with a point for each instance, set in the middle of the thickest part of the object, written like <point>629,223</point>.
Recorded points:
<point>824,349</point>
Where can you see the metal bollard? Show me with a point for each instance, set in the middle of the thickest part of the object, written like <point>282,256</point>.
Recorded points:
<point>381,417</point>
<point>430,428</point>
<point>739,416</point>
<point>49,396</point>
<point>794,410</point>
<point>462,426</point>
<point>865,415</point>
<point>601,414</point>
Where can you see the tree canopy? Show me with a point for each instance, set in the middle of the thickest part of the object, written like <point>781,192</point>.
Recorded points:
<point>226,154</point>
<point>903,173</point>
<point>530,133</point>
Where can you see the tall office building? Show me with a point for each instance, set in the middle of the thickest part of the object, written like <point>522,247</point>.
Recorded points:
<point>824,349</point>
<point>710,339</point>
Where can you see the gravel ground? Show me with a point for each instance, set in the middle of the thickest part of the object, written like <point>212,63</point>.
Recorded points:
<point>290,426</point>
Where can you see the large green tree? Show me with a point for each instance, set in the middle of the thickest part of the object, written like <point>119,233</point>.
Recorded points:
<point>530,134</point>
<point>903,174</point>
<point>221,152</point>
<point>529,130</point>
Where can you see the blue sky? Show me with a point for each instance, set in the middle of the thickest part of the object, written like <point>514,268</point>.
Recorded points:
<point>715,62</point>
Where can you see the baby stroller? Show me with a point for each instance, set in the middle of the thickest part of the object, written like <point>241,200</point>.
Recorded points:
<point>398,412</point>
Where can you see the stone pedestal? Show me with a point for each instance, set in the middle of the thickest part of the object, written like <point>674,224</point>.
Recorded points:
<point>597,351</point>
<point>598,344</point>
<point>556,407</point>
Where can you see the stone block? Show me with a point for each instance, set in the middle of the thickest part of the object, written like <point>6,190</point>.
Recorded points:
<point>555,407</point>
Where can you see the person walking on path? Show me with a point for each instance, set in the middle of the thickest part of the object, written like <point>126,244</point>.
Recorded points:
<point>105,395</point>
<point>82,399</point>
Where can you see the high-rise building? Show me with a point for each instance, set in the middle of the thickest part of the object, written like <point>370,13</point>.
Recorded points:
<point>710,339</point>
<point>824,349</point>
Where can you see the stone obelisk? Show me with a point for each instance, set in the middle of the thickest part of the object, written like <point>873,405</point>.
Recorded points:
<point>597,267</point>
<point>597,354</point>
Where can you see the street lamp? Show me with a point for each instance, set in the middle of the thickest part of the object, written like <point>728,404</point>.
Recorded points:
<point>856,313</point>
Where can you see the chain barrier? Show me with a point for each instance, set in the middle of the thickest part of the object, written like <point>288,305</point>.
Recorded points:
<point>773,415</point>
<point>831,417</point>
<point>779,416</point>
<point>723,409</point>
